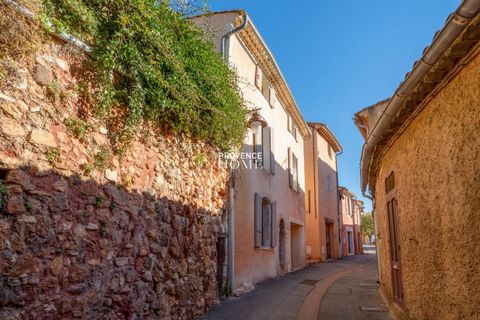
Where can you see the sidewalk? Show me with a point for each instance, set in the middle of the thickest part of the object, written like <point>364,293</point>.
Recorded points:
<point>344,294</point>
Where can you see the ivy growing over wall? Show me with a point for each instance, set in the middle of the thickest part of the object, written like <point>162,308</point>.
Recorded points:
<point>158,64</point>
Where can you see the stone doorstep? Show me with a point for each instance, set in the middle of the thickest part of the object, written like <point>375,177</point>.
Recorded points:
<point>374,309</point>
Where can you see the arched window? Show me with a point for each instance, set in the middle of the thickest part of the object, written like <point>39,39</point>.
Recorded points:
<point>265,222</point>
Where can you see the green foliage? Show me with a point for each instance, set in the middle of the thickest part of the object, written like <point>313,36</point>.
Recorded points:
<point>367,225</point>
<point>53,156</point>
<point>200,159</point>
<point>99,200</point>
<point>101,158</point>
<point>88,169</point>
<point>157,64</point>
<point>77,128</point>
<point>55,92</point>
<point>100,161</point>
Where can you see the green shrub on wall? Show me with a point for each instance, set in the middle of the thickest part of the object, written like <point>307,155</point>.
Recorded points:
<point>170,74</point>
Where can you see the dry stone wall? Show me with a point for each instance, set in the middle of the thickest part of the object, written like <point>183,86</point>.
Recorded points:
<point>86,233</point>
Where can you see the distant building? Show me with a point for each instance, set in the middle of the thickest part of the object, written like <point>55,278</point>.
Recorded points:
<point>267,205</point>
<point>421,162</point>
<point>351,209</point>
<point>322,212</point>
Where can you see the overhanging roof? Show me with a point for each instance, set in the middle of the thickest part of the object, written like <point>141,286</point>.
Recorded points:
<point>451,49</point>
<point>327,134</point>
<point>263,56</point>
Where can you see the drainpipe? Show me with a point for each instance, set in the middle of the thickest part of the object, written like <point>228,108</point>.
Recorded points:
<point>340,244</point>
<point>454,26</point>
<point>224,49</point>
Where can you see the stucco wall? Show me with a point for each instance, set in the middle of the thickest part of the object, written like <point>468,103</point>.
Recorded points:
<point>436,164</point>
<point>251,264</point>
<point>321,181</point>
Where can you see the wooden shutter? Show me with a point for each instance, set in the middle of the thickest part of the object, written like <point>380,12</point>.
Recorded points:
<point>295,172</point>
<point>273,97</point>
<point>258,77</point>
<point>290,177</point>
<point>266,150</point>
<point>266,225</point>
<point>258,220</point>
<point>274,224</point>
<point>272,156</point>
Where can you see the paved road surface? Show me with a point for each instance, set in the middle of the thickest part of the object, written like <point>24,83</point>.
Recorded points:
<point>336,290</point>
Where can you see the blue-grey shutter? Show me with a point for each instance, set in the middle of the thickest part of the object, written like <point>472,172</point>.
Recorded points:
<point>274,224</point>
<point>290,177</point>
<point>258,220</point>
<point>272,156</point>
<point>266,226</point>
<point>266,148</point>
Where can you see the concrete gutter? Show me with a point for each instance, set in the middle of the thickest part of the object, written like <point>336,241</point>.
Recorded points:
<point>454,26</point>
<point>62,35</point>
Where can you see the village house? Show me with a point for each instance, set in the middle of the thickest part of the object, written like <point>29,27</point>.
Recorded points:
<point>267,204</point>
<point>420,164</point>
<point>351,209</point>
<point>322,217</point>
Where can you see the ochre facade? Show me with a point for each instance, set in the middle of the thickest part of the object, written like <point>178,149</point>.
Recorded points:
<point>435,163</point>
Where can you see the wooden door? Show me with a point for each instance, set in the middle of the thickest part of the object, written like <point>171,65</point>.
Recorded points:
<point>395,250</point>
<point>328,245</point>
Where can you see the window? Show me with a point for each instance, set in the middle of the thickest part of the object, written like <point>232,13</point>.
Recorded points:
<point>330,152</point>
<point>268,162</point>
<point>390,183</point>
<point>265,222</point>
<point>273,97</point>
<point>266,88</point>
<point>292,170</point>
<point>329,183</point>
<point>349,206</point>
<point>258,77</point>
<point>263,145</point>
<point>291,127</point>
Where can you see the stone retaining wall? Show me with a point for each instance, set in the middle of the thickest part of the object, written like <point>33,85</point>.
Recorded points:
<point>86,233</point>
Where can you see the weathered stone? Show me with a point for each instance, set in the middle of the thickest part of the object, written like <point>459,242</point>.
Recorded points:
<point>28,219</point>
<point>77,288</point>
<point>12,110</point>
<point>111,175</point>
<point>99,138</point>
<point>122,261</point>
<point>79,231</point>
<point>62,64</point>
<point>16,205</point>
<point>25,264</point>
<point>60,185</point>
<point>42,137</point>
<point>11,127</point>
<point>8,160</point>
<point>92,226</point>
<point>43,75</point>
<point>56,265</point>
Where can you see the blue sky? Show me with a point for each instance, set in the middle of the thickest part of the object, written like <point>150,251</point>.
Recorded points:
<point>341,56</point>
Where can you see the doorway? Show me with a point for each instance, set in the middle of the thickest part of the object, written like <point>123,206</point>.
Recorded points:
<point>329,233</point>
<point>349,242</point>
<point>395,250</point>
<point>296,246</point>
<point>281,245</point>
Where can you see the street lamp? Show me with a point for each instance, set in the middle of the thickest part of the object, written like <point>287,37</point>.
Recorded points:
<point>257,122</point>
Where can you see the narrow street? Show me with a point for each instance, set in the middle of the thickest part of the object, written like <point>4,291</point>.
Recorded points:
<point>336,290</point>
